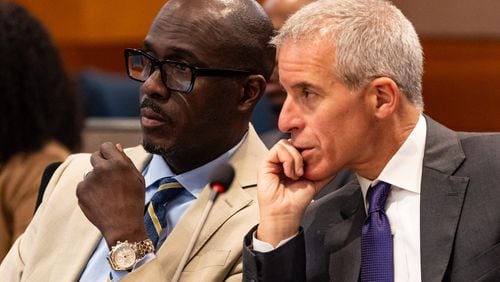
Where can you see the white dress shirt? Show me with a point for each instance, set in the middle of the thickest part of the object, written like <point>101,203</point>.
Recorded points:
<point>404,173</point>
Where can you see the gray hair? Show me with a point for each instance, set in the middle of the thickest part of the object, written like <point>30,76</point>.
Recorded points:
<point>371,38</point>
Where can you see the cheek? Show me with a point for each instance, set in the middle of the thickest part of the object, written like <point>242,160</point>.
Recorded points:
<point>338,135</point>
<point>322,163</point>
<point>206,117</point>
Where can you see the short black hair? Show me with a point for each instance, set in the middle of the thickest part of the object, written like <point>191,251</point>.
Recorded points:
<point>39,103</point>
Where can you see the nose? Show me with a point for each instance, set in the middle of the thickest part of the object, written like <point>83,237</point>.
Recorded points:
<point>154,87</point>
<point>290,119</point>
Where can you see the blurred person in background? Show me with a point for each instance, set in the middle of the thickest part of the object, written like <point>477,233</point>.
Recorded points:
<point>41,120</point>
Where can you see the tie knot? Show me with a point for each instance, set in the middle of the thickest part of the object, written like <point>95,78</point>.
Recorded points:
<point>377,195</point>
<point>168,188</point>
<point>168,183</point>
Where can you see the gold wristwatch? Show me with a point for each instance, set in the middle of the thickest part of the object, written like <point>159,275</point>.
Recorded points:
<point>124,255</point>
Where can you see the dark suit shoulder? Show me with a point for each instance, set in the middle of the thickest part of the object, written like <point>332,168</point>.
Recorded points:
<point>482,152</point>
<point>476,249</point>
<point>480,142</point>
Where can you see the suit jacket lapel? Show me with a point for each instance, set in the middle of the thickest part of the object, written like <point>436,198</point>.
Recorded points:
<point>81,246</point>
<point>245,161</point>
<point>345,262</point>
<point>224,207</point>
<point>442,196</point>
<point>333,227</point>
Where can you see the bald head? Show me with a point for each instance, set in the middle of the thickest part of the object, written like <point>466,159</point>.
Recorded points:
<point>237,31</point>
<point>280,10</point>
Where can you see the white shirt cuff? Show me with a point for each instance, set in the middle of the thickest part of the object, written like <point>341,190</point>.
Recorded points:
<point>264,247</point>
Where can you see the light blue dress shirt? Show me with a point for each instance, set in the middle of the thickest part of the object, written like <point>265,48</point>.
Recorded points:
<point>97,268</point>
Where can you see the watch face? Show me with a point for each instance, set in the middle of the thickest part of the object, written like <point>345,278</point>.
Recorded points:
<point>124,256</point>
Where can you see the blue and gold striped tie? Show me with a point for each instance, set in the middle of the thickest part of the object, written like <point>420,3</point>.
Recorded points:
<point>155,217</point>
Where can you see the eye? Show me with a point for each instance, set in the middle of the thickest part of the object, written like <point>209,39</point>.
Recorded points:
<point>180,67</point>
<point>306,93</point>
<point>309,97</point>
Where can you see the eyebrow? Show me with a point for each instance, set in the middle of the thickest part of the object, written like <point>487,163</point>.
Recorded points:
<point>299,86</point>
<point>302,85</point>
<point>176,53</point>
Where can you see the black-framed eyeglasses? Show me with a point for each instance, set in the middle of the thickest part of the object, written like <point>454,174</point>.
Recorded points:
<point>176,76</point>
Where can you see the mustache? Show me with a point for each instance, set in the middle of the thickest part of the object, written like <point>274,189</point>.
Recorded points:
<point>148,103</point>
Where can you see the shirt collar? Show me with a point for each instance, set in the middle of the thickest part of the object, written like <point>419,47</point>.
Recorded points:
<point>194,180</point>
<point>404,169</point>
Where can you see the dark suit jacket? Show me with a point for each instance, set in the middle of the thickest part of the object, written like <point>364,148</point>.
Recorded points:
<point>459,220</point>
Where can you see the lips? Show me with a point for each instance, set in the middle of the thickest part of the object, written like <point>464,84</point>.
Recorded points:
<point>306,152</point>
<point>303,149</point>
<point>150,118</point>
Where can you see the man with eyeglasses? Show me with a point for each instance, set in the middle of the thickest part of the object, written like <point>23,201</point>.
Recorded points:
<point>204,66</point>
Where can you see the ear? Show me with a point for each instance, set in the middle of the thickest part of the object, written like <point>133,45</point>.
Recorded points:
<point>254,86</point>
<point>386,96</point>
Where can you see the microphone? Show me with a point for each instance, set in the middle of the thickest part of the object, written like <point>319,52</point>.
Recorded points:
<point>220,180</point>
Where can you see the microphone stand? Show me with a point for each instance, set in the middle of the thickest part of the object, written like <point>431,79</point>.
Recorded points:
<point>199,226</point>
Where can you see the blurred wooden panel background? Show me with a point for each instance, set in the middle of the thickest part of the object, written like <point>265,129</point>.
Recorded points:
<point>462,71</point>
<point>462,83</point>
<point>93,33</point>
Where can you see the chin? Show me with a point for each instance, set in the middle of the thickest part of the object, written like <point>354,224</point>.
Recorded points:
<point>313,175</point>
<point>153,149</point>
<point>317,173</point>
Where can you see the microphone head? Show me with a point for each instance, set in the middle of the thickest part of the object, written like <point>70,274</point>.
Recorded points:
<point>222,177</point>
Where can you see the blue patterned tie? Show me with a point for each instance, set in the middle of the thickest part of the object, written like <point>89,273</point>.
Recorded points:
<point>376,239</point>
<point>155,218</point>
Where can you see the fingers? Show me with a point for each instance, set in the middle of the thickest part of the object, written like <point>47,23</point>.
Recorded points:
<point>96,159</point>
<point>108,151</point>
<point>119,147</point>
<point>111,151</point>
<point>284,155</point>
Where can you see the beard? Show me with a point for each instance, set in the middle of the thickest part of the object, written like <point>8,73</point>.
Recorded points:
<point>165,150</point>
<point>154,148</point>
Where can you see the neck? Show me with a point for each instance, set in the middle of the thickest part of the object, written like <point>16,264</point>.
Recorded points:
<point>187,159</point>
<point>388,138</point>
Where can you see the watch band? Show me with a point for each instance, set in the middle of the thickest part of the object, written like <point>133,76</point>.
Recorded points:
<point>143,247</point>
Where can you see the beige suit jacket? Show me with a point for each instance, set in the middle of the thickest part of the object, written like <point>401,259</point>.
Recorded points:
<point>60,240</point>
